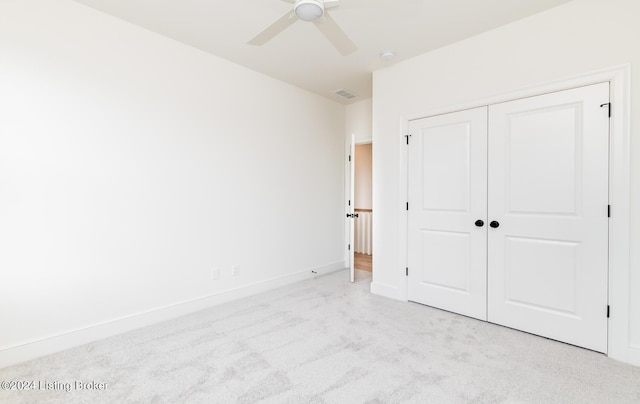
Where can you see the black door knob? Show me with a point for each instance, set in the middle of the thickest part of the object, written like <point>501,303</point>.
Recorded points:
<point>479,223</point>
<point>494,224</point>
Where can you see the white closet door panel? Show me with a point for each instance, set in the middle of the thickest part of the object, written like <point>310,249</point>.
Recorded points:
<point>548,189</point>
<point>447,194</point>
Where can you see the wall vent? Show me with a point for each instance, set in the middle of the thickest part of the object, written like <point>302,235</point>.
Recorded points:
<point>345,94</point>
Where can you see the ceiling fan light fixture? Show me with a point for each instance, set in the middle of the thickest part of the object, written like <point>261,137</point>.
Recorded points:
<point>309,10</point>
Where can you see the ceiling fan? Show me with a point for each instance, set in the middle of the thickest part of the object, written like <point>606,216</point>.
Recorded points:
<point>313,11</point>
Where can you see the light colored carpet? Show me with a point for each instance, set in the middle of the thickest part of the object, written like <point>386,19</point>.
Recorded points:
<point>328,341</point>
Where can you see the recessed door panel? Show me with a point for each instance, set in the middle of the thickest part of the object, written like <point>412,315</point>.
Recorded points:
<point>557,170</point>
<point>447,195</point>
<point>445,260</point>
<point>535,265</point>
<point>548,190</point>
<point>445,149</point>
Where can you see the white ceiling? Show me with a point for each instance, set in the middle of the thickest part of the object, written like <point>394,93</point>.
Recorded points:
<point>301,55</point>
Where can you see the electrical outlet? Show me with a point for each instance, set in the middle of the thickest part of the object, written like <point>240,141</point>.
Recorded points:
<point>215,274</point>
<point>236,270</point>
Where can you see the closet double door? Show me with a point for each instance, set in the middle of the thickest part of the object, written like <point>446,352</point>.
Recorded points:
<point>508,218</point>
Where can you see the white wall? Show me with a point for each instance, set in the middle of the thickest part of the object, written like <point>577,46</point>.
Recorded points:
<point>131,165</point>
<point>363,194</point>
<point>358,121</point>
<point>579,37</point>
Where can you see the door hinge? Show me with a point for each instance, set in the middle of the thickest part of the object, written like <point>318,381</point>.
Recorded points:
<point>608,311</point>
<point>349,157</point>
<point>349,202</point>
<point>407,138</point>
<point>608,104</point>
<point>407,271</point>
<point>407,205</point>
<point>608,210</point>
<point>349,247</point>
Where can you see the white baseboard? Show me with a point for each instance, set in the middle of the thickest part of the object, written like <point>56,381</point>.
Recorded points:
<point>329,268</point>
<point>46,346</point>
<point>389,291</point>
<point>634,355</point>
<point>630,355</point>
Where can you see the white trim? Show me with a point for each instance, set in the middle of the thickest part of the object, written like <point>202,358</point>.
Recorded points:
<point>56,343</point>
<point>634,355</point>
<point>389,291</point>
<point>403,214</point>
<point>619,189</point>
<point>347,197</point>
<point>366,141</point>
<point>352,205</point>
<point>326,269</point>
<point>619,223</point>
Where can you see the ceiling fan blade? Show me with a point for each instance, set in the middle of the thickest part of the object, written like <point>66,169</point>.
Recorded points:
<point>335,35</point>
<point>274,29</point>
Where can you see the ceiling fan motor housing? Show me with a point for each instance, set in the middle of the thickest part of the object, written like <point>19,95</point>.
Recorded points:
<point>309,10</point>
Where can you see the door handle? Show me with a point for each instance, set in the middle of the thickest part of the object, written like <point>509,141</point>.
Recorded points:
<point>479,223</point>
<point>494,224</point>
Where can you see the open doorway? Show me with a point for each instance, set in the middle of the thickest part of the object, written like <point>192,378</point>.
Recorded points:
<point>363,206</point>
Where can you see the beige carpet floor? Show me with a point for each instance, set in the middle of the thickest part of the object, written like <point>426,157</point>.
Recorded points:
<point>326,341</point>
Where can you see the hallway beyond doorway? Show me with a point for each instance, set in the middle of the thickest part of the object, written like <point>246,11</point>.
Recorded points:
<point>363,262</point>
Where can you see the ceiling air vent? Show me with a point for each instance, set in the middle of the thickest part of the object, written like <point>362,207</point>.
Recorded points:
<point>345,94</point>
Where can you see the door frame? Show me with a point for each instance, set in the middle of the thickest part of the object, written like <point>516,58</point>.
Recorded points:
<point>351,208</point>
<point>619,189</point>
<point>349,186</point>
